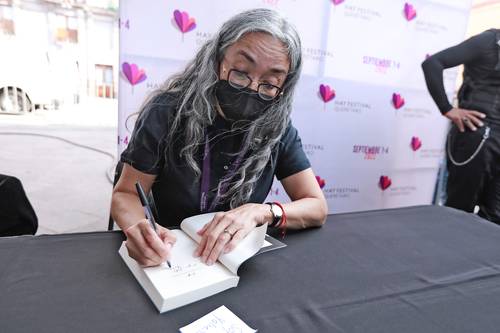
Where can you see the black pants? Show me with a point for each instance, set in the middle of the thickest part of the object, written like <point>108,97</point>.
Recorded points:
<point>477,182</point>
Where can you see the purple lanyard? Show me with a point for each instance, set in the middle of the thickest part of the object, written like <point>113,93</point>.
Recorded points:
<point>205,179</point>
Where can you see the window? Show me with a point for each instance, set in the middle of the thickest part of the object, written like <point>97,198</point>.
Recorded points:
<point>6,21</point>
<point>104,82</point>
<point>66,29</point>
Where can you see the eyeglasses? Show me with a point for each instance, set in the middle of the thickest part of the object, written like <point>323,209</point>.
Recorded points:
<point>241,80</point>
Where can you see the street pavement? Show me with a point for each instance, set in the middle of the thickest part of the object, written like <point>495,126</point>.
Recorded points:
<point>64,159</point>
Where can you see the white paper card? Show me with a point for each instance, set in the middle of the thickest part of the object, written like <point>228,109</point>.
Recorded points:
<point>219,320</point>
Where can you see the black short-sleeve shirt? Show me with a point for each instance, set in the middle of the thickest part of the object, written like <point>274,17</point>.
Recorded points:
<point>176,189</point>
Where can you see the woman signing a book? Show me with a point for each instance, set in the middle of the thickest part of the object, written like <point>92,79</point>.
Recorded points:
<point>212,140</point>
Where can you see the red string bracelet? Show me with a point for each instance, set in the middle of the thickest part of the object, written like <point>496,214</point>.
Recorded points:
<point>282,225</point>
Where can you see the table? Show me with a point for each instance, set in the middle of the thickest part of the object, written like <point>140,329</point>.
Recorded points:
<point>418,269</point>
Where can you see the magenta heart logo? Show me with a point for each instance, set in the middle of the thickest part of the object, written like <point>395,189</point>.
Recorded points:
<point>133,73</point>
<point>184,22</point>
<point>416,143</point>
<point>397,101</point>
<point>409,11</point>
<point>337,2</point>
<point>326,93</point>
<point>384,182</point>
<point>321,181</point>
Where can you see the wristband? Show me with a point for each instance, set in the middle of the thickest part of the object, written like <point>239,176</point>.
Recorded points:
<point>282,225</point>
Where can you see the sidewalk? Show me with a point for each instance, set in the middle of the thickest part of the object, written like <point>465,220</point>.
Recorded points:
<point>66,183</point>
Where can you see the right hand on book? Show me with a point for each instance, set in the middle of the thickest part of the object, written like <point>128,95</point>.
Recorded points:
<point>146,246</point>
<point>227,229</point>
<point>463,117</point>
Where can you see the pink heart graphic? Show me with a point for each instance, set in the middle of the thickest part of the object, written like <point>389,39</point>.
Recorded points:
<point>427,56</point>
<point>133,74</point>
<point>321,181</point>
<point>184,22</point>
<point>397,101</point>
<point>337,2</point>
<point>384,182</point>
<point>327,93</point>
<point>416,143</point>
<point>410,12</point>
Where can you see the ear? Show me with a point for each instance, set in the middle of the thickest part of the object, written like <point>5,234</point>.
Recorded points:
<point>222,71</point>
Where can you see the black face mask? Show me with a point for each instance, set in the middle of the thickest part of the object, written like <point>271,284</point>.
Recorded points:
<point>240,104</point>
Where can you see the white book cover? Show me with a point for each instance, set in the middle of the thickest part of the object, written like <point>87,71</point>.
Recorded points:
<point>190,280</point>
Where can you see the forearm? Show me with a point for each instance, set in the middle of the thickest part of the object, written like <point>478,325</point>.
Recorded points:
<point>126,209</point>
<point>305,213</point>
<point>300,214</point>
<point>433,73</point>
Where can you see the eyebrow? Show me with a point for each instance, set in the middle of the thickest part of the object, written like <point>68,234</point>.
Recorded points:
<point>274,70</point>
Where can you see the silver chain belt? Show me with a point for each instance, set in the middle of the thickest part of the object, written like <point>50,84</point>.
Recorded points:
<point>486,135</point>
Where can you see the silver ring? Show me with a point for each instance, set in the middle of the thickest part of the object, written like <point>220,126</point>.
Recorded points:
<point>227,232</point>
<point>465,119</point>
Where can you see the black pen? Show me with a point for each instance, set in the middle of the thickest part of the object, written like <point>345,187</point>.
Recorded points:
<point>147,210</point>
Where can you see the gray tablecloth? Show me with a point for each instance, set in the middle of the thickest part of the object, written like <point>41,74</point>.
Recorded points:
<point>420,269</point>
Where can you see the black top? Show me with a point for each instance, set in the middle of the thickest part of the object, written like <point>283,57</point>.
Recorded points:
<point>176,189</point>
<point>480,55</point>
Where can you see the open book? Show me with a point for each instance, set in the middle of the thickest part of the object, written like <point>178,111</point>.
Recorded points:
<point>190,280</point>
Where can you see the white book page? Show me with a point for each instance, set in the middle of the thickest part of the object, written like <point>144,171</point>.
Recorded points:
<point>248,246</point>
<point>220,320</point>
<point>187,273</point>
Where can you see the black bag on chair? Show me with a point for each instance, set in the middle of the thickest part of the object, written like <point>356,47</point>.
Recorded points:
<point>17,216</point>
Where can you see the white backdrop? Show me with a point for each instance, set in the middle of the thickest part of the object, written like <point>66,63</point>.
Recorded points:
<point>368,125</point>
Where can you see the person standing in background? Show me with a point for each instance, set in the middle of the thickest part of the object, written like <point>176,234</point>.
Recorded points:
<point>473,145</point>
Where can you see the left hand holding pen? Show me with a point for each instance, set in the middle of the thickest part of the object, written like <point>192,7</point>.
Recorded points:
<point>227,229</point>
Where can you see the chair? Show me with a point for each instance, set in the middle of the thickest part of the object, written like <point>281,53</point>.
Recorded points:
<point>118,172</point>
<point>17,216</point>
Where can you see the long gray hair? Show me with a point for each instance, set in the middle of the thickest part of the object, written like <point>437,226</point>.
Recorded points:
<point>197,105</point>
